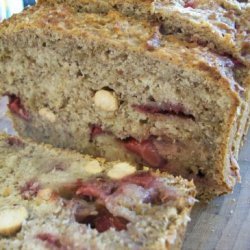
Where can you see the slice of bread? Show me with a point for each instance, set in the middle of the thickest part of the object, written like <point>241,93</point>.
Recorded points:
<point>114,86</point>
<point>60,199</point>
<point>221,25</point>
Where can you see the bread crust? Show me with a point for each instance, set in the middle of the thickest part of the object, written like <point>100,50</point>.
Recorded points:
<point>133,37</point>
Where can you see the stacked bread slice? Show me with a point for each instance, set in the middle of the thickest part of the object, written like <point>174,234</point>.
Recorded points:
<point>121,79</point>
<point>221,25</point>
<point>59,199</point>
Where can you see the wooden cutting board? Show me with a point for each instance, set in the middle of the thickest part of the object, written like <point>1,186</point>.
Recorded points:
<point>223,224</point>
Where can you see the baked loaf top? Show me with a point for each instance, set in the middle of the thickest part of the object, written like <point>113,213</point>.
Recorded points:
<point>55,199</point>
<point>126,33</point>
<point>222,25</point>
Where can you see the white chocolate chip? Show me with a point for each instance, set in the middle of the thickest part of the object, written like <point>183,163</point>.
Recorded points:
<point>121,170</point>
<point>11,220</point>
<point>106,100</point>
<point>48,115</point>
<point>172,212</point>
<point>45,194</point>
<point>93,167</point>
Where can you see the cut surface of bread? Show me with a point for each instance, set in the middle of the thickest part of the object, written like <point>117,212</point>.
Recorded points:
<point>113,85</point>
<point>59,199</point>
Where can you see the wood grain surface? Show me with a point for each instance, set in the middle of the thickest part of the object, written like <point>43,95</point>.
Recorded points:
<point>223,224</point>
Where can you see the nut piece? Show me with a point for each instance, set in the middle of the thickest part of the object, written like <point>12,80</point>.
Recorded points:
<point>6,191</point>
<point>121,170</point>
<point>11,220</point>
<point>106,100</point>
<point>45,194</point>
<point>93,167</point>
<point>48,115</point>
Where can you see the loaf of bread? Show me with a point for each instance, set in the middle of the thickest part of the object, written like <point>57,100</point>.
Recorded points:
<point>58,199</point>
<point>110,84</point>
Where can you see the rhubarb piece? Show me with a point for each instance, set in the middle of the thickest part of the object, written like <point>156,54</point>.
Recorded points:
<point>167,109</point>
<point>50,240</point>
<point>95,130</point>
<point>144,179</point>
<point>190,3</point>
<point>99,218</point>
<point>106,221</point>
<point>99,188</point>
<point>30,189</point>
<point>14,141</point>
<point>17,108</point>
<point>146,150</point>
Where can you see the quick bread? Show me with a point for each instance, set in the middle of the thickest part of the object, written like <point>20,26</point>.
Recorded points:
<point>60,199</point>
<point>115,85</point>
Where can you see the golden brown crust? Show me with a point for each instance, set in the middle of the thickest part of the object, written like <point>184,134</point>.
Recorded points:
<point>137,37</point>
<point>220,24</point>
<point>172,49</point>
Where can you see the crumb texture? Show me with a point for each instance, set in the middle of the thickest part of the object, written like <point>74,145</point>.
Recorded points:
<point>50,200</point>
<point>107,79</point>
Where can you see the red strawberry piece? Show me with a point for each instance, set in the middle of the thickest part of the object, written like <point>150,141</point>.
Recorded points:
<point>98,217</point>
<point>144,179</point>
<point>30,189</point>
<point>190,3</point>
<point>169,109</point>
<point>146,150</point>
<point>105,220</point>
<point>99,189</point>
<point>14,141</point>
<point>50,239</point>
<point>95,130</point>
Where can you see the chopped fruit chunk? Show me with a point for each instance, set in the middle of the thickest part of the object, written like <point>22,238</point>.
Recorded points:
<point>100,218</point>
<point>190,3</point>
<point>144,179</point>
<point>15,141</point>
<point>95,130</point>
<point>30,189</point>
<point>106,220</point>
<point>99,188</point>
<point>169,109</point>
<point>17,108</point>
<point>11,220</point>
<point>146,150</point>
<point>85,212</point>
<point>50,239</point>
